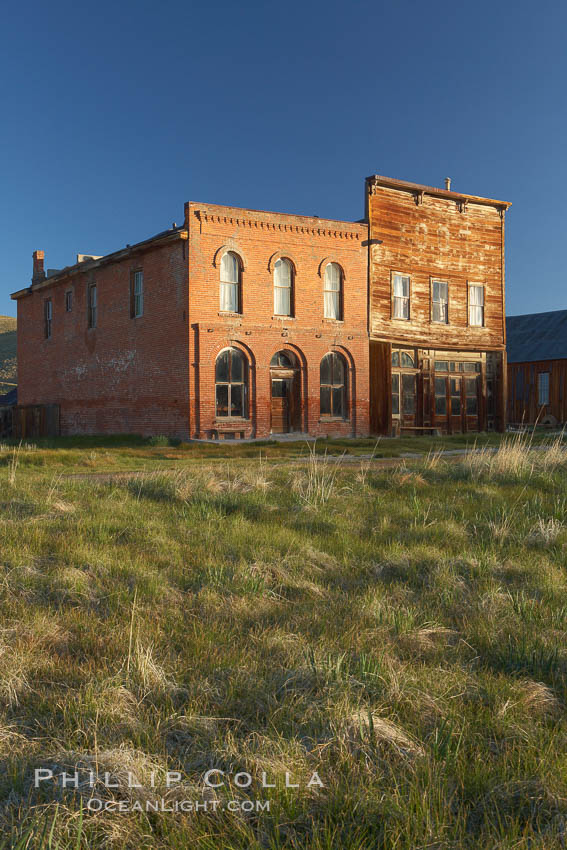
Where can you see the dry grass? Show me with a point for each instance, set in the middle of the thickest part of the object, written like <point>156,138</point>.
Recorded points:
<point>400,632</point>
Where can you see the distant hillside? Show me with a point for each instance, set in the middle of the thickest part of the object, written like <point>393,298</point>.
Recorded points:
<point>8,370</point>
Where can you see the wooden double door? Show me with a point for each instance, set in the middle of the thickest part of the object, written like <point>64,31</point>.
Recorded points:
<point>456,404</point>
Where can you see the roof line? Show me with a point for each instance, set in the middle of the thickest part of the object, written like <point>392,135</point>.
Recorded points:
<point>406,185</point>
<point>165,236</point>
<point>198,204</point>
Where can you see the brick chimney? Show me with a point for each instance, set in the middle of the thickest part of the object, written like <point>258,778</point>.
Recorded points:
<point>38,271</point>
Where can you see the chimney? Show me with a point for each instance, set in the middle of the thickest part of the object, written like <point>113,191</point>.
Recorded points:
<point>448,184</point>
<point>38,272</point>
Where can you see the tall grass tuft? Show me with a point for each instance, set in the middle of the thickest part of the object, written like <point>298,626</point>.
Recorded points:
<point>317,483</point>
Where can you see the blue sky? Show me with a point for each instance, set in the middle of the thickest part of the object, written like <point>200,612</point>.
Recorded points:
<point>114,114</point>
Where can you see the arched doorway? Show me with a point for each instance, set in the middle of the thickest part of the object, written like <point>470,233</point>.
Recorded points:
<point>285,393</point>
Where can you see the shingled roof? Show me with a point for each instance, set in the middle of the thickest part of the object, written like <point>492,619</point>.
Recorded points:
<point>537,336</point>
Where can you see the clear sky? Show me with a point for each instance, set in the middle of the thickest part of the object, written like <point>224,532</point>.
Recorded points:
<point>115,113</point>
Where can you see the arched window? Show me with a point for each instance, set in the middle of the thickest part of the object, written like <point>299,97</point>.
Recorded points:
<point>333,291</point>
<point>230,299</point>
<point>333,386</point>
<point>231,384</point>
<point>283,288</point>
<point>281,360</point>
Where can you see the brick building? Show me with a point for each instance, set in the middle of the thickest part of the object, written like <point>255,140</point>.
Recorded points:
<point>242,323</point>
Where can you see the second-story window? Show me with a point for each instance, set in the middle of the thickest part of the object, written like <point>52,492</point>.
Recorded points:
<point>68,300</point>
<point>400,296</point>
<point>137,295</point>
<point>283,283</point>
<point>440,301</point>
<point>332,307</point>
<point>476,305</point>
<point>47,316</point>
<point>92,307</point>
<point>230,296</point>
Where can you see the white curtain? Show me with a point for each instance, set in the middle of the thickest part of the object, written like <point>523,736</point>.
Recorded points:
<point>440,301</point>
<point>401,297</point>
<point>332,291</point>
<point>282,288</point>
<point>476,305</point>
<point>229,279</point>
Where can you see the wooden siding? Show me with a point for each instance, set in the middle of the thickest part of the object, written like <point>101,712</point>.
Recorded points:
<point>380,387</point>
<point>35,420</point>
<point>429,240</point>
<point>523,403</point>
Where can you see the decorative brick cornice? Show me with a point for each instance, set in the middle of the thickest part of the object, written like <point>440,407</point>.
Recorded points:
<point>326,229</point>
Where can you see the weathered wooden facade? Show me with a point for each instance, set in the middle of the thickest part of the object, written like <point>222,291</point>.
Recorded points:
<point>537,368</point>
<point>436,309</point>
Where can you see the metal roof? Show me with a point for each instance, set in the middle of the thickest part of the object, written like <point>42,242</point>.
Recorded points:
<point>537,336</point>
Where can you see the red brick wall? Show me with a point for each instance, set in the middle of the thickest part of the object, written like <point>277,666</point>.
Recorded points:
<point>155,374</point>
<point>259,238</point>
<point>126,375</point>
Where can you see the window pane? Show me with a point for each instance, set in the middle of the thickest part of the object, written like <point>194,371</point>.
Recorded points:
<point>331,306</point>
<point>282,273</point>
<point>279,389</point>
<point>282,301</point>
<point>325,401</point>
<point>338,401</point>
<point>395,358</point>
<point>408,386</point>
<point>401,308</point>
<point>455,397</point>
<point>471,391</point>
<point>325,373</point>
<point>401,286</point>
<point>441,365</point>
<point>407,359</point>
<point>476,316</point>
<point>237,366</point>
<point>472,406</point>
<point>222,400</point>
<point>476,295</point>
<point>221,371</point>
<point>229,297</point>
<point>543,387</point>
<point>338,369</point>
<point>440,397</point>
<point>281,359</point>
<point>395,393</point>
<point>236,399</point>
<point>229,268</point>
<point>332,277</point>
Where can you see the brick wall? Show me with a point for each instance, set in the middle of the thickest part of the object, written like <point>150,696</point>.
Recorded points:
<point>156,374</point>
<point>259,239</point>
<point>126,375</point>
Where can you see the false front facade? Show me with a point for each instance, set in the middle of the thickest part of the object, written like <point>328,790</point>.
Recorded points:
<point>436,309</point>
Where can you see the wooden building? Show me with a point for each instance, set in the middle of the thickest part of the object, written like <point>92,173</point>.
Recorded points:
<point>436,309</point>
<point>537,368</point>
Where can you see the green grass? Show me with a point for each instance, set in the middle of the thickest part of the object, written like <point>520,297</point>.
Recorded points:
<point>127,452</point>
<point>399,631</point>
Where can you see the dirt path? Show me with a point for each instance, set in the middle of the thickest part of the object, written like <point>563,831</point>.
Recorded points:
<point>376,463</point>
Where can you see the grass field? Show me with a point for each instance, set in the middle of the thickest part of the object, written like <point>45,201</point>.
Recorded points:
<point>268,609</point>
